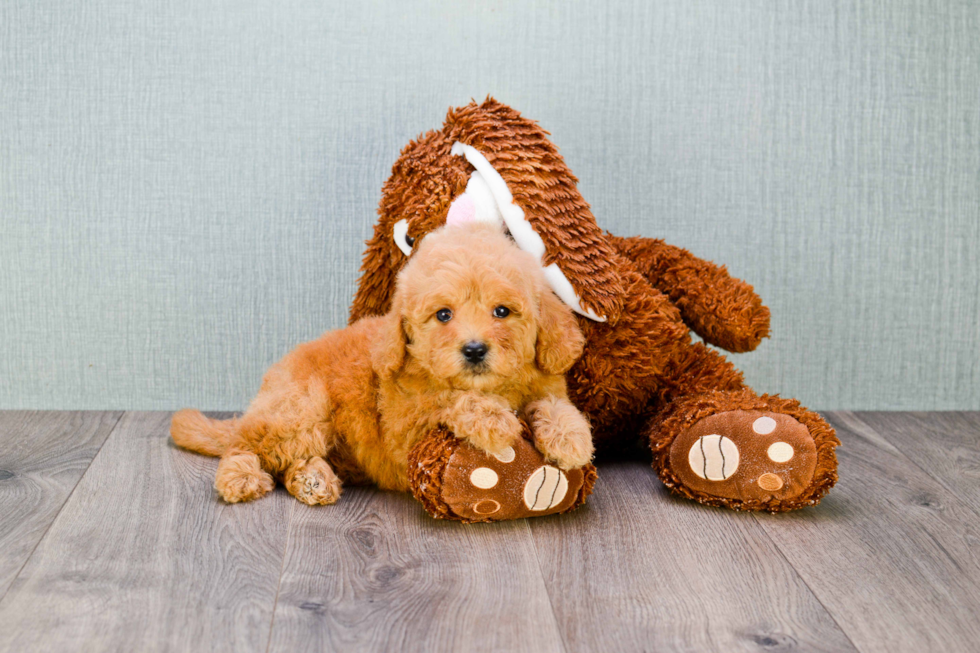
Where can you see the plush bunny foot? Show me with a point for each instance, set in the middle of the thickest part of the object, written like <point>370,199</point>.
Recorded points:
<point>454,480</point>
<point>769,455</point>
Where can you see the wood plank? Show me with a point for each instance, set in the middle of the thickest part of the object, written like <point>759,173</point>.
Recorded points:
<point>145,557</point>
<point>946,446</point>
<point>375,573</point>
<point>891,553</point>
<point>637,569</point>
<point>42,457</point>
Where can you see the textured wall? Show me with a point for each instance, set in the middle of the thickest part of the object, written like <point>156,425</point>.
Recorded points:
<point>185,186</point>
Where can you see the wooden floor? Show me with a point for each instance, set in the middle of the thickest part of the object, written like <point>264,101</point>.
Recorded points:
<point>111,539</point>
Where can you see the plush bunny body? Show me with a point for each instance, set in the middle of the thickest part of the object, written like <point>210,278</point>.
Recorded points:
<point>641,378</point>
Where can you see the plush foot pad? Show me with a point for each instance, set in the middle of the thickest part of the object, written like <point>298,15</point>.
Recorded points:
<point>756,457</point>
<point>456,481</point>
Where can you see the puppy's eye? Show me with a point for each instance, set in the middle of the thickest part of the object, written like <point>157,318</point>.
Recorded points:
<point>444,315</point>
<point>501,311</point>
<point>402,239</point>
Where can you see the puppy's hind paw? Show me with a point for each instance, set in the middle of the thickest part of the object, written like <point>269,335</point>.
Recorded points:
<point>240,477</point>
<point>313,482</point>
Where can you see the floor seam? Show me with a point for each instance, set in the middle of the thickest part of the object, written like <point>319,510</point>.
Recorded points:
<point>64,503</point>
<point>544,584</point>
<point>799,575</point>
<point>282,568</point>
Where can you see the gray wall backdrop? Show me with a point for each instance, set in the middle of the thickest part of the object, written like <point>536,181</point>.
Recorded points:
<point>185,186</point>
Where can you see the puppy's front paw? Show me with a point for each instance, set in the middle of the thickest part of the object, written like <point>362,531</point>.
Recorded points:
<point>497,431</point>
<point>561,432</point>
<point>485,424</point>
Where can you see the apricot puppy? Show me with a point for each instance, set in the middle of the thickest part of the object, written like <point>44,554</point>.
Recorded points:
<point>474,338</point>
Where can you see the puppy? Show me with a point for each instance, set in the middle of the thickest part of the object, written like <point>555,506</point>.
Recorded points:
<point>474,338</point>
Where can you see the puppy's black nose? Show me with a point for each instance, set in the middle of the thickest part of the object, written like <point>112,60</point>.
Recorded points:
<point>474,351</point>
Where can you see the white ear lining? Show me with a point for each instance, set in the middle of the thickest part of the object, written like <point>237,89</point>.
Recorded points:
<point>520,229</point>
<point>513,215</point>
<point>400,233</point>
<point>563,288</point>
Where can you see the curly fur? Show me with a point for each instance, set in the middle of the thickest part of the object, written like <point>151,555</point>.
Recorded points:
<point>363,396</point>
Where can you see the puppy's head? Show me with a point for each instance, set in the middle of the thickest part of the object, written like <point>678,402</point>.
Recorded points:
<point>472,309</point>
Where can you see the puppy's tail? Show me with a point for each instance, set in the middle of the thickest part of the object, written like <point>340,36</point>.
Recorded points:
<point>192,430</point>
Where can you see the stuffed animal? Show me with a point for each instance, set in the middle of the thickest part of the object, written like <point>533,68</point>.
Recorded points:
<point>641,378</point>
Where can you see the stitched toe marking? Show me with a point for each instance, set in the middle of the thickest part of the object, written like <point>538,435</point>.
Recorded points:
<point>713,457</point>
<point>545,489</point>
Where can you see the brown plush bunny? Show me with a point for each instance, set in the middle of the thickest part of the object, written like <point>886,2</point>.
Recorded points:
<point>641,377</point>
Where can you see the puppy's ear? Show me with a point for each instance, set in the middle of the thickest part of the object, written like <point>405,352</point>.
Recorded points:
<point>560,341</point>
<point>388,351</point>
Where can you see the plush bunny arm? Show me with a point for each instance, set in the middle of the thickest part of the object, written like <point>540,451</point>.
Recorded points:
<point>724,311</point>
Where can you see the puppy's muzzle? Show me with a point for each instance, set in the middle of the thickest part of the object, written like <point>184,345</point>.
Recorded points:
<point>474,352</point>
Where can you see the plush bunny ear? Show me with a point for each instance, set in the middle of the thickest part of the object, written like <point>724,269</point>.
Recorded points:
<point>424,181</point>
<point>377,281</point>
<point>389,350</point>
<point>537,199</point>
<point>560,341</point>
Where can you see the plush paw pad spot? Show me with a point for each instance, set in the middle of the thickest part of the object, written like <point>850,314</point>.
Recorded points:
<point>506,456</point>
<point>780,452</point>
<point>770,482</point>
<point>764,425</point>
<point>713,457</point>
<point>483,478</point>
<point>486,507</point>
<point>545,489</point>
